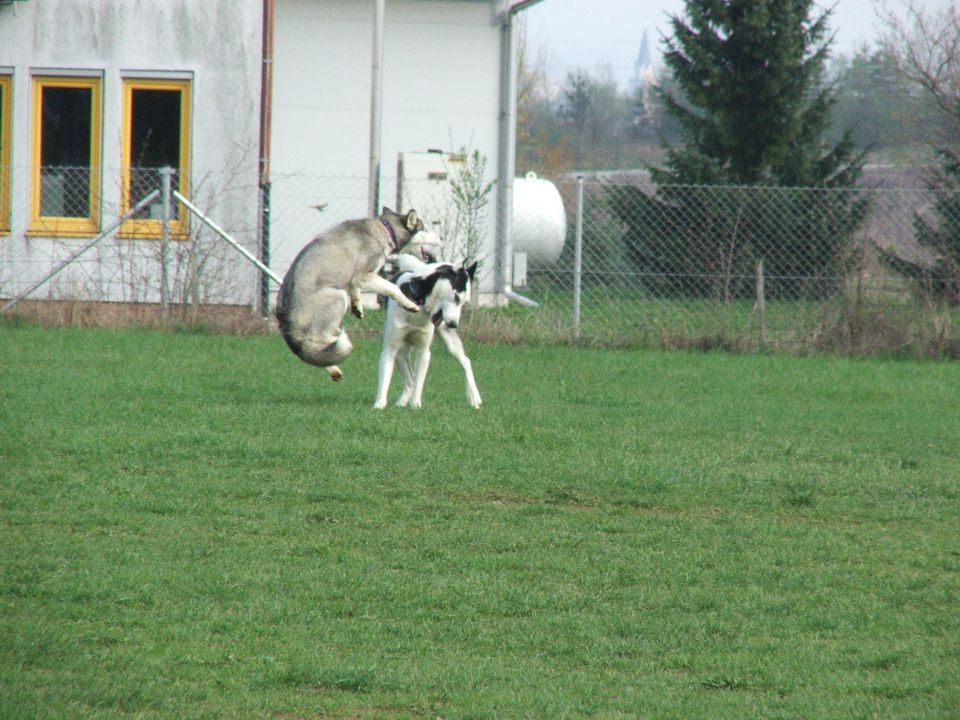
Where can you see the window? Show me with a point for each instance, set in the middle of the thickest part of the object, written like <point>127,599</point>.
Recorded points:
<point>65,167</point>
<point>6,100</point>
<point>156,134</point>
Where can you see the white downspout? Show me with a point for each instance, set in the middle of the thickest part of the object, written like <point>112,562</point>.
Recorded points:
<point>507,143</point>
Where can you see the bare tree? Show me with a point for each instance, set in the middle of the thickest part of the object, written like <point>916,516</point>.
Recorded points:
<point>925,45</point>
<point>531,79</point>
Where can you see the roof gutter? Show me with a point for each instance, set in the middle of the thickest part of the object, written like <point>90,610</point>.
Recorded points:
<point>506,150</point>
<point>521,5</point>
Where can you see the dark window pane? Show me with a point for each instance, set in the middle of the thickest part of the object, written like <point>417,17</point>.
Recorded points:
<point>65,151</point>
<point>155,129</point>
<point>154,142</point>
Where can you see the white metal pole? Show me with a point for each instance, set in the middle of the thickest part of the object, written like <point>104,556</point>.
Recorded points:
<point>506,149</point>
<point>223,233</point>
<point>578,258</point>
<point>376,108</point>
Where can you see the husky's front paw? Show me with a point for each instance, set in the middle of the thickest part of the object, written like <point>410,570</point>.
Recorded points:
<point>336,374</point>
<point>410,306</point>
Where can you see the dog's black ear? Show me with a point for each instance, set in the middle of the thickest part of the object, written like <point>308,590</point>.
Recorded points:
<point>471,270</point>
<point>414,289</point>
<point>411,220</point>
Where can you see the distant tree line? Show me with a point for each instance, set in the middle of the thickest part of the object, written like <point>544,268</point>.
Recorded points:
<point>588,122</point>
<point>749,96</point>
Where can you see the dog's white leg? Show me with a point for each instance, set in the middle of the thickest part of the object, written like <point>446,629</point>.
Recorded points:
<point>455,346</point>
<point>386,373</point>
<point>382,286</point>
<point>403,365</point>
<point>420,375</point>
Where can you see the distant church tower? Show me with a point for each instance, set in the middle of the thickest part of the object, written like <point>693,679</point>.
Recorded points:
<point>641,88</point>
<point>643,68</point>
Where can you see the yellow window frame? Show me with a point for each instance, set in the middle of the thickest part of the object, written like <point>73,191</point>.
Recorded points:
<point>52,224</point>
<point>6,103</point>
<point>152,228</point>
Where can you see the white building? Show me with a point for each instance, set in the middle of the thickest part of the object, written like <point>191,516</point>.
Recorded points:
<point>95,95</point>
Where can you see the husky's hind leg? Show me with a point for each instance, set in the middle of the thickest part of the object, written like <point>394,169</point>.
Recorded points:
<point>328,354</point>
<point>314,331</point>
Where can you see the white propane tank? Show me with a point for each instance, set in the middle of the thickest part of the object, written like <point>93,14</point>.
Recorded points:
<point>539,220</point>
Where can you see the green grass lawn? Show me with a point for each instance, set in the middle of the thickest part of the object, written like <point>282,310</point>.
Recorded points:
<point>200,526</point>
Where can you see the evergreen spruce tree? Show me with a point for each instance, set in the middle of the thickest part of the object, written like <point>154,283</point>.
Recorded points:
<point>923,47</point>
<point>936,278</point>
<point>754,111</point>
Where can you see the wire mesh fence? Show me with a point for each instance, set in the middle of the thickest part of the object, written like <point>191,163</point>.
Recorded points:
<point>106,228</point>
<point>863,271</point>
<point>793,269</point>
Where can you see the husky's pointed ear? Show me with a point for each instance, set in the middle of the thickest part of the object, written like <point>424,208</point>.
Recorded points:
<point>411,220</point>
<point>387,211</point>
<point>471,270</point>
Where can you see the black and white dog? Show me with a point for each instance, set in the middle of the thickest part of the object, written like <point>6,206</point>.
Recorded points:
<point>440,290</point>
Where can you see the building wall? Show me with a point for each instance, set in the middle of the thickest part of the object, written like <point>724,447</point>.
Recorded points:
<point>216,43</point>
<point>440,91</point>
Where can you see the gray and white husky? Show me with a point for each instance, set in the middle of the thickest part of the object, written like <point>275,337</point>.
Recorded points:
<point>440,290</point>
<point>327,276</point>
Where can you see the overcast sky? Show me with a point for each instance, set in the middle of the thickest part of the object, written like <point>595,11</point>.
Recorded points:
<point>591,33</point>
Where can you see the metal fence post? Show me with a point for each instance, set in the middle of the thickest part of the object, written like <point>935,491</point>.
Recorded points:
<point>578,258</point>
<point>761,302</point>
<point>265,189</point>
<point>166,177</point>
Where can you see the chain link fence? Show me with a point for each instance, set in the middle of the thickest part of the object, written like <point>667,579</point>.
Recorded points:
<point>866,271</point>
<point>116,264</point>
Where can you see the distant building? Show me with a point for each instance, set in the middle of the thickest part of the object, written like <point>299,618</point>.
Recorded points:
<point>642,84</point>
<point>643,68</point>
<point>241,99</point>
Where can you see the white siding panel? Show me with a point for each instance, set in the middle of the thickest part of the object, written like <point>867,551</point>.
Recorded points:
<point>440,78</point>
<point>217,44</point>
<point>440,90</point>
